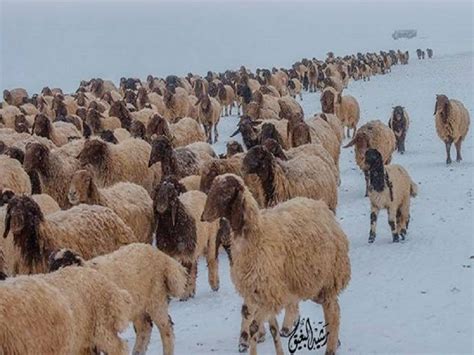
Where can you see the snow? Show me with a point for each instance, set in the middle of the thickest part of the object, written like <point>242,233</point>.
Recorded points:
<point>411,297</point>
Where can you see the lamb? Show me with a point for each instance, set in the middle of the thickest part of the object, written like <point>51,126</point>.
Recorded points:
<point>181,133</point>
<point>399,123</point>
<point>90,230</point>
<point>53,168</point>
<point>126,161</point>
<point>181,234</point>
<point>430,53</point>
<point>180,162</point>
<point>452,124</point>
<point>149,276</point>
<point>344,107</point>
<point>376,135</point>
<point>50,314</point>
<point>226,97</point>
<point>59,133</point>
<point>294,251</point>
<point>209,113</point>
<point>305,176</point>
<point>13,176</point>
<point>129,201</point>
<point>390,187</point>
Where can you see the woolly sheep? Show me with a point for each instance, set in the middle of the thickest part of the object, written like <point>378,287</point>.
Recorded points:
<point>129,201</point>
<point>452,124</point>
<point>390,187</point>
<point>13,176</point>
<point>346,108</point>
<point>90,230</point>
<point>181,133</point>
<point>176,103</point>
<point>294,251</point>
<point>59,133</point>
<point>149,276</point>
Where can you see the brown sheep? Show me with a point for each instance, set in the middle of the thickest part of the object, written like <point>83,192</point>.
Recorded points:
<point>209,112</point>
<point>344,107</point>
<point>176,103</point>
<point>390,187</point>
<point>263,107</point>
<point>226,97</point>
<point>59,133</point>
<point>181,133</point>
<point>281,255</point>
<point>15,97</point>
<point>119,109</point>
<point>99,123</point>
<point>399,123</point>
<point>452,124</point>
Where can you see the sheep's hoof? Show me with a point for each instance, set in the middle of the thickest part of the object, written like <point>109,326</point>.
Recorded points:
<point>330,352</point>
<point>215,288</point>
<point>284,332</point>
<point>261,338</point>
<point>243,348</point>
<point>396,239</point>
<point>458,160</point>
<point>448,161</point>
<point>371,238</point>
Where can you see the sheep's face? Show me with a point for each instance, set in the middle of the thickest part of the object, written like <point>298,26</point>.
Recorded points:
<point>159,126</point>
<point>80,187</point>
<point>205,103</point>
<point>161,149</point>
<point>257,161</point>
<point>442,106</point>
<point>398,113</point>
<point>62,258</point>
<point>166,197</point>
<point>130,97</point>
<point>273,147</point>
<point>137,129</point>
<point>36,157</point>
<point>209,172</point>
<point>7,96</point>
<point>93,119</point>
<point>81,99</point>
<point>212,89</point>
<point>328,101</point>
<point>225,200</point>
<point>46,91</point>
<point>21,124</point>
<point>42,126</point>
<point>82,113</point>
<point>300,134</point>
<point>269,131</point>
<point>107,97</point>
<point>373,159</point>
<point>93,152</point>
<point>233,147</point>
<point>15,153</point>
<point>108,136</point>
<point>247,130</point>
<point>23,215</point>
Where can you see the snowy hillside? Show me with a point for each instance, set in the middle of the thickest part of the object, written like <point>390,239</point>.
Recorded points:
<point>412,297</point>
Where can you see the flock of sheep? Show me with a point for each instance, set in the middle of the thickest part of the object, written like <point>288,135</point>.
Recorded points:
<point>109,196</point>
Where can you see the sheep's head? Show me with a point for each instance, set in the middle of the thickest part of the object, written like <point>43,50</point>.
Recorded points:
<point>361,142</point>
<point>93,119</point>
<point>63,258</point>
<point>96,86</point>
<point>257,97</point>
<point>232,148</point>
<point>300,134</point>
<point>80,99</point>
<point>212,89</point>
<point>166,196</point>
<point>107,97</point>
<point>23,219</point>
<point>244,91</point>
<point>130,97</point>
<point>373,159</point>
<point>138,130</point>
<point>269,131</point>
<point>108,136</point>
<point>36,158</point>
<point>398,113</point>
<point>291,85</point>
<point>21,124</point>
<point>442,106</point>
<point>222,92</point>
<point>328,101</point>
<point>258,160</point>
<point>42,126</point>
<point>5,196</point>
<point>204,102</point>
<point>119,109</point>
<point>82,113</point>
<point>94,152</point>
<point>82,188</point>
<point>7,96</point>
<point>15,153</point>
<point>275,148</point>
<point>225,199</point>
<point>210,170</point>
<point>161,149</point>
<point>168,95</point>
<point>246,127</point>
<point>159,126</point>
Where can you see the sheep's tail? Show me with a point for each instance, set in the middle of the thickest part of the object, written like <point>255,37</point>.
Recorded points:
<point>122,308</point>
<point>413,189</point>
<point>175,278</point>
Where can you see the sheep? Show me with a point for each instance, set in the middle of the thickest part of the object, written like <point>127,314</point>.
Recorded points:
<point>149,276</point>
<point>13,176</point>
<point>430,53</point>
<point>232,148</point>
<point>90,230</point>
<point>399,122</point>
<point>176,103</point>
<point>21,124</point>
<point>390,188</point>
<point>289,108</point>
<point>15,97</point>
<point>99,123</point>
<point>295,88</point>
<point>376,135</point>
<point>306,176</point>
<point>53,168</point>
<point>126,161</point>
<point>209,113</point>
<point>263,107</point>
<point>59,133</point>
<point>344,107</point>
<point>191,182</point>
<point>334,122</point>
<point>129,201</point>
<point>294,251</point>
<point>181,234</point>
<point>12,255</point>
<point>226,97</point>
<point>8,115</point>
<point>50,314</point>
<point>251,131</point>
<point>452,124</point>
<point>312,149</point>
<point>180,162</point>
<point>119,109</point>
<point>181,133</point>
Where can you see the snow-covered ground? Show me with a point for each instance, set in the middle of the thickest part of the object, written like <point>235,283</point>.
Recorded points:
<point>412,297</point>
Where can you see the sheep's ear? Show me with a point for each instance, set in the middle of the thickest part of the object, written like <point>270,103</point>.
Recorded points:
<point>237,212</point>
<point>352,142</point>
<point>436,105</point>
<point>236,132</point>
<point>8,218</point>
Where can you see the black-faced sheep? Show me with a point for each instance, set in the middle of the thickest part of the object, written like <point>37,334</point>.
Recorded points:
<point>91,230</point>
<point>390,187</point>
<point>452,124</point>
<point>60,133</point>
<point>149,276</point>
<point>181,234</point>
<point>119,109</point>
<point>131,202</point>
<point>305,176</point>
<point>15,97</point>
<point>346,108</point>
<point>294,251</point>
<point>181,133</point>
<point>399,123</point>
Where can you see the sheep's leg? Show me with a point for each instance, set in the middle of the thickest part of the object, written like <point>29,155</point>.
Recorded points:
<point>113,345</point>
<point>143,327</point>
<point>448,151</point>
<point>247,318</point>
<point>276,335</point>
<point>331,316</point>
<point>404,218</point>
<point>254,332</point>
<point>216,134</point>
<point>458,150</point>
<point>292,313</point>
<point>366,175</point>
<point>230,109</point>
<point>392,214</point>
<point>165,324</point>
<point>213,264</point>
<point>373,223</point>
<point>191,268</point>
